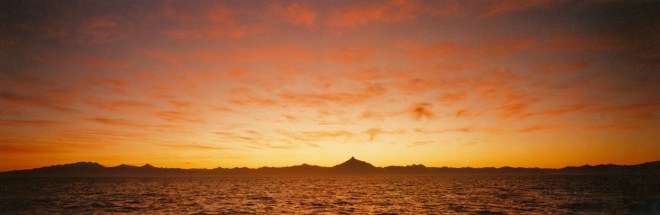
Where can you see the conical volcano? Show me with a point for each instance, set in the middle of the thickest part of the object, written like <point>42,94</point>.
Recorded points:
<point>355,166</point>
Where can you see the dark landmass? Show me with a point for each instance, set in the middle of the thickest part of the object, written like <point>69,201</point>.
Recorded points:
<point>350,167</point>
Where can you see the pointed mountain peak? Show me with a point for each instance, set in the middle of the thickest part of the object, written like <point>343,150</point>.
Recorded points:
<point>148,166</point>
<point>355,165</point>
<point>354,160</point>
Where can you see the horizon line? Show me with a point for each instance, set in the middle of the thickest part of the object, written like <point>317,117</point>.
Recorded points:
<point>238,167</point>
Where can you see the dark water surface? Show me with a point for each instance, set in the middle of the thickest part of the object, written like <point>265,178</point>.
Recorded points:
<point>314,195</point>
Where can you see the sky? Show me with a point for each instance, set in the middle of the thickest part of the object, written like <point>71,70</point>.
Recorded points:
<point>205,84</point>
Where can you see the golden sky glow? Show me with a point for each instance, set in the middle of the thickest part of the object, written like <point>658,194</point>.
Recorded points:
<point>272,83</point>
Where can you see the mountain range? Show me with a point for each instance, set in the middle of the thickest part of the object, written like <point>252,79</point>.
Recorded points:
<point>350,167</point>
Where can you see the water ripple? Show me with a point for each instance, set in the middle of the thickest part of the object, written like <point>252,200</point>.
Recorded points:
<point>335,195</point>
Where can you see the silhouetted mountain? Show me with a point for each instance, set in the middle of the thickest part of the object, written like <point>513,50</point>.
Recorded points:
<point>351,166</point>
<point>78,166</point>
<point>355,166</point>
<point>410,169</point>
<point>648,168</point>
<point>73,169</point>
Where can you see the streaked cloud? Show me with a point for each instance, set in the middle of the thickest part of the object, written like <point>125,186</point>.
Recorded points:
<point>248,82</point>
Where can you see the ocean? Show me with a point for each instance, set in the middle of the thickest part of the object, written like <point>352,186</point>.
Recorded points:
<point>436,194</point>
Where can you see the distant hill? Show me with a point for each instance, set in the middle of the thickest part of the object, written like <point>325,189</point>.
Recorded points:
<point>354,166</point>
<point>350,167</point>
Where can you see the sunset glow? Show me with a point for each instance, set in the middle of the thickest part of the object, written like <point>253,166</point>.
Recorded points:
<point>205,84</point>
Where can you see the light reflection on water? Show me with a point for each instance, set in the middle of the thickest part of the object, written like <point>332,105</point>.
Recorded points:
<point>313,195</point>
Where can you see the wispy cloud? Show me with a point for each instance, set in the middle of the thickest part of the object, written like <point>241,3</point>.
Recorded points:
<point>266,79</point>
<point>296,14</point>
<point>27,122</point>
<point>194,146</point>
<point>386,12</point>
<point>504,7</point>
<point>422,111</point>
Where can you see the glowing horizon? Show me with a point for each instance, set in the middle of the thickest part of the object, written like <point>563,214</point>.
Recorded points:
<point>202,84</point>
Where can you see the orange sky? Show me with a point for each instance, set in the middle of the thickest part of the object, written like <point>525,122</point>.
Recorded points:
<point>276,83</point>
